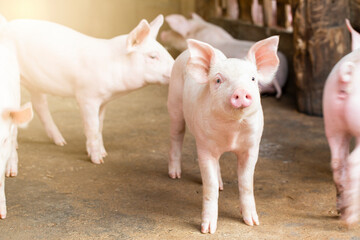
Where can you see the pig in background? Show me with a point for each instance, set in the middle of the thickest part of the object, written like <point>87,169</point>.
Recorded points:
<point>341,106</point>
<point>57,60</point>
<point>199,29</point>
<point>11,115</point>
<point>355,36</point>
<point>218,99</point>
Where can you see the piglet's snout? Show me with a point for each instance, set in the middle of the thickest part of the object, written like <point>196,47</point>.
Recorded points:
<point>241,99</point>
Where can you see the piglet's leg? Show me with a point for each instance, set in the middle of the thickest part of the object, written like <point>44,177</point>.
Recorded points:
<point>209,174</point>
<point>12,165</point>
<point>277,88</point>
<point>352,188</point>
<point>339,146</point>
<point>2,189</point>
<point>221,185</point>
<point>177,132</point>
<point>101,118</point>
<point>246,166</point>
<point>90,114</point>
<point>41,107</point>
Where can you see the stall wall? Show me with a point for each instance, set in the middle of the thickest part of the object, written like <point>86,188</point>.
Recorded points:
<point>98,18</point>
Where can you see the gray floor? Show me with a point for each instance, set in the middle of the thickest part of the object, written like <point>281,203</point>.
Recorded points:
<point>59,194</point>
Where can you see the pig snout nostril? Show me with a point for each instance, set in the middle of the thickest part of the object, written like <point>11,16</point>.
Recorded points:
<point>241,99</point>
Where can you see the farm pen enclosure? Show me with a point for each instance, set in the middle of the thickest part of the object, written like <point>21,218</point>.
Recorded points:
<point>60,194</point>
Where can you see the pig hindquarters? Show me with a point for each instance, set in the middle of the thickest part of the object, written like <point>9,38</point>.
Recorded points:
<point>57,60</point>
<point>219,100</point>
<point>341,106</point>
<point>11,115</point>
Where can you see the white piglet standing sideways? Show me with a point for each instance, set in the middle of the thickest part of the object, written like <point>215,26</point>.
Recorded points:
<point>11,115</point>
<point>218,99</point>
<point>57,60</point>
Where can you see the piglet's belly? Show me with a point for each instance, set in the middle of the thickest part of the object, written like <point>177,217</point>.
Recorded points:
<point>49,85</point>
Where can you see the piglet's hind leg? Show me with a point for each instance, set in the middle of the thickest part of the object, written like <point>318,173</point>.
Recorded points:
<point>339,146</point>
<point>351,196</point>
<point>40,105</point>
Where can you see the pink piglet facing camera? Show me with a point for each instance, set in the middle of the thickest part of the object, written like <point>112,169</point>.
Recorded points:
<point>218,99</point>
<point>341,107</point>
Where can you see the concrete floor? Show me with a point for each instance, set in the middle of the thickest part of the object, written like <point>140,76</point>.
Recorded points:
<point>59,194</point>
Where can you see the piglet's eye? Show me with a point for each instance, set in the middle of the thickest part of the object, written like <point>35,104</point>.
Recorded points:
<point>153,56</point>
<point>219,79</point>
<point>252,79</point>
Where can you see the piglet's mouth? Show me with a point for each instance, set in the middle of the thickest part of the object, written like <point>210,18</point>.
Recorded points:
<point>342,94</point>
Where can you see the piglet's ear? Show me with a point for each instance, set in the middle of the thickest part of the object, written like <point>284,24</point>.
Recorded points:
<point>264,55</point>
<point>137,35</point>
<point>346,71</point>
<point>179,24</point>
<point>20,116</point>
<point>155,25</point>
<point>201,56</point>
<point>196,17</point>
<point>355,36</point>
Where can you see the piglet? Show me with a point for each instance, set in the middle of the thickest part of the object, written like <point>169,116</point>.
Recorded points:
<point>11,115</point>
<point>199,29</point>
<point>218,99</point>
<point>57,60</point>
<point>341,107</point>
<point>355,36</point>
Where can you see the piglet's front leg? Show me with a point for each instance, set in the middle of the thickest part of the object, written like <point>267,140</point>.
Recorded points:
<point>209,174</point>
<point>246,166</point>
<point>101,118</point>
<point>90,114</point>
<point>2,192</point>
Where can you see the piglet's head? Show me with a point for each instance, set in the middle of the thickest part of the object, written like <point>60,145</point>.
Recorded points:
<point>9,119</point>
<point>233,83</point>
<point>147,54</point>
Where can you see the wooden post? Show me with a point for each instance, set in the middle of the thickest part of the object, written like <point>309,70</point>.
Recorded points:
<point>355,14</point>
<point>245,10</point>
<point>282,14</point>
<point>232,9</point>
<point>320,40</point>
<point>268,13</point>
<point>208,8</point>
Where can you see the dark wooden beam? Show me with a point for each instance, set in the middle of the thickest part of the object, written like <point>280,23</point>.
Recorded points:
<point>320,40</point>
